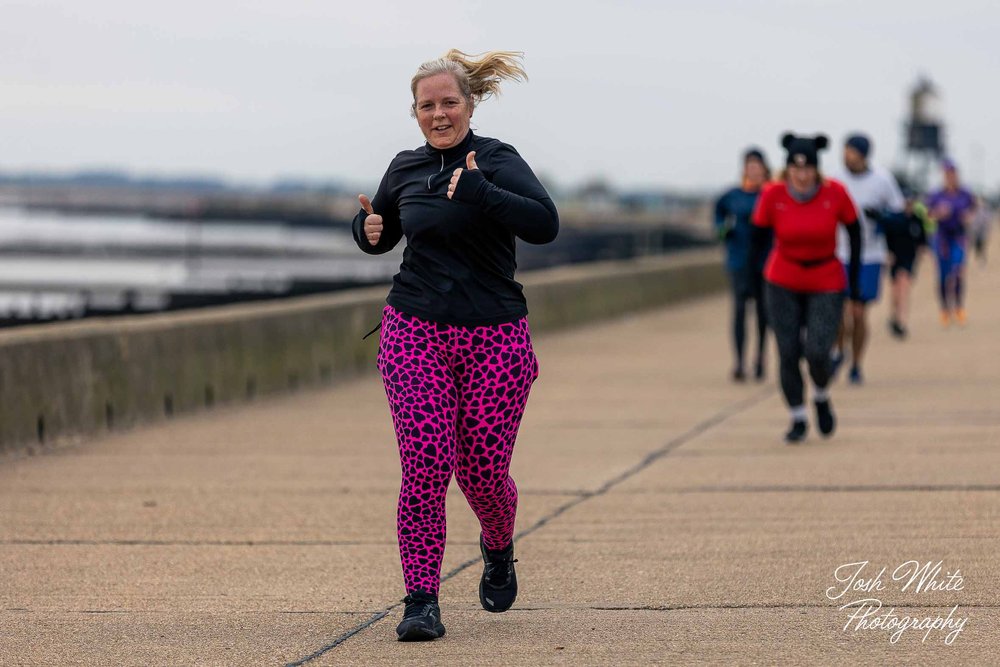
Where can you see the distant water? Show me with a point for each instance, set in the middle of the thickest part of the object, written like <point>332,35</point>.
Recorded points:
<point>57,266</point>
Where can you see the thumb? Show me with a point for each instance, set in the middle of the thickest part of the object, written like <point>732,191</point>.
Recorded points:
<point>366,204</point>
<point>470,161</point>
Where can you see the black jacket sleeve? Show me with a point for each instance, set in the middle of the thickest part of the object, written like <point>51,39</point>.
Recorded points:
<point>854,265</point>
<point>888,221</point>
<point>385,205</point>
<point>515,198</point>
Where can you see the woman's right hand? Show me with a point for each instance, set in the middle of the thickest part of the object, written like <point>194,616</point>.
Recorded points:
<point>373,221</point>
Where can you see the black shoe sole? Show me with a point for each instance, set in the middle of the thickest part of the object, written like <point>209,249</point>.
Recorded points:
<point>420,633</point>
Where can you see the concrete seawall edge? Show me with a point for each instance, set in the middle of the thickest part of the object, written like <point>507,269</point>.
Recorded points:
<point>68,382</point>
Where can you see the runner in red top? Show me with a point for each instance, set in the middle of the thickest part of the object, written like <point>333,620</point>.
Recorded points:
<point>805,235</point>
<point>804,279</point>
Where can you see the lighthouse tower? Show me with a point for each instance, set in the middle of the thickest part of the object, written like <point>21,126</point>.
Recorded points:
<point>923,134</point>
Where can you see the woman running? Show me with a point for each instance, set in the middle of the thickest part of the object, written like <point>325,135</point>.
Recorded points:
<point>732,224</point>
<point>455,353</point>
<point>805,280</point>
<point>952,207</point>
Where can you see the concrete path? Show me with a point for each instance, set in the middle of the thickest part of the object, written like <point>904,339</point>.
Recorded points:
<point>662,520</point>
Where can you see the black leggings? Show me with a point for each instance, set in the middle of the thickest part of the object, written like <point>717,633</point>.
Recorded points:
<point>805,325</point>
<point>747,285</point>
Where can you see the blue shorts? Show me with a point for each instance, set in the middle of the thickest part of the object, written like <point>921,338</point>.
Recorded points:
<point>871,278</point>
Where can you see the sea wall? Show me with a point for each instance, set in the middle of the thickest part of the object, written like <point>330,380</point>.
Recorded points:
<point>65,382</point>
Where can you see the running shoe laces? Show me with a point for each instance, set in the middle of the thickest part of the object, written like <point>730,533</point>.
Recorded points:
<point>499,569</point>
<point>419,604</point>
<point>421,618</point>
<point>498,585</point>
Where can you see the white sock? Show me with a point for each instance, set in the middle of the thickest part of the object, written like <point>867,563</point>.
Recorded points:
<point>798,413</point>
<point>820,395</point>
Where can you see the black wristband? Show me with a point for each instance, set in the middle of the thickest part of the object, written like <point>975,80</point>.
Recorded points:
<point>469,187</point>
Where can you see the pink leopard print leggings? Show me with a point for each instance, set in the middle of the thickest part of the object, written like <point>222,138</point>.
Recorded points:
<point>457,395</point>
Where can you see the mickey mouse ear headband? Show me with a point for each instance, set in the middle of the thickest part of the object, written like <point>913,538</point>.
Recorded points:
<point>803,151</point>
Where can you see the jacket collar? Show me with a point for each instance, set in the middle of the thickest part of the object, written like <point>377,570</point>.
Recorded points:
<point>460,149</point>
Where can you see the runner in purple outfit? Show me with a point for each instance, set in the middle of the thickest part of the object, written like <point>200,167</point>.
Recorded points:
<point>953,207</point>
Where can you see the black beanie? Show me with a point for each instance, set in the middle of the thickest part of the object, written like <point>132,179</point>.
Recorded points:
<point>860,143</point>
<point>754,153</point>
<point>804,151</point>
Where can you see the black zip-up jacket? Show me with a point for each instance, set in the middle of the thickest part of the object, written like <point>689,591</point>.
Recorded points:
<point>459,261</point>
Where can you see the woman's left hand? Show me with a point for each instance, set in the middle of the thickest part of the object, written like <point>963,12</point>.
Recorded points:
<point>470,163</point>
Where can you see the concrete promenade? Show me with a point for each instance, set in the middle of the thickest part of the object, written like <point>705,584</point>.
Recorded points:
<point>662,519</point>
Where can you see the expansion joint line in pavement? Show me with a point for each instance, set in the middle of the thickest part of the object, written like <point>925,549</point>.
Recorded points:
<point>652,457</point>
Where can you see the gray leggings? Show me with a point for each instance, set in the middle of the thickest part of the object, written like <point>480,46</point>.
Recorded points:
<point>805,325</point>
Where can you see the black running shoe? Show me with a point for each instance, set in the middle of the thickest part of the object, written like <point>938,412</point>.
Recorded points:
<point>797,432</point>
<point>738,375</point>
<point>824,418</point>
<point>897,329</point>
<point>421,618</point>
<point>498,587</point>
<point>758,371</point>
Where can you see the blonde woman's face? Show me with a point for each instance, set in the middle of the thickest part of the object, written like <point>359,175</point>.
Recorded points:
<point>443,113</point>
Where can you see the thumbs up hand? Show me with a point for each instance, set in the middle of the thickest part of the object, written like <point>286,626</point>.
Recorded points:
<point>470,163</point>
<point>373,221</point>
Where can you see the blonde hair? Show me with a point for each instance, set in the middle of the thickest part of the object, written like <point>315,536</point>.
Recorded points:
<point>478,76</point>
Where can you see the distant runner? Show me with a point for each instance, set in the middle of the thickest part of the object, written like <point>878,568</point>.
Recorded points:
<point>905,234</point>
<point>953,207</point>
<point>732,224</point>
<point>872,189</point>
<point>981,223</point>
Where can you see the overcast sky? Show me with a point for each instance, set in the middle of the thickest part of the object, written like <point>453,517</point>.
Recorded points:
<point>644,93</point>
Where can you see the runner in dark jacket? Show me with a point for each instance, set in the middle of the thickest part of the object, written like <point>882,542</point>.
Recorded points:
<point>455,349</point>
<point>732,224</point>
